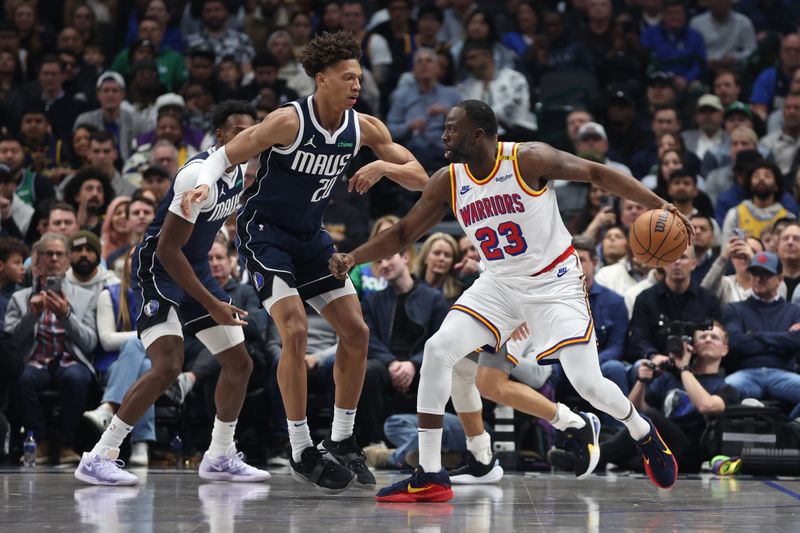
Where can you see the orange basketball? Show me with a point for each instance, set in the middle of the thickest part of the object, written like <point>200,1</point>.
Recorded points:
<point>657,238</point>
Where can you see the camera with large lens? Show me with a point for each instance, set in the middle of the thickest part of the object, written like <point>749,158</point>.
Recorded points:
<point>679,331</point>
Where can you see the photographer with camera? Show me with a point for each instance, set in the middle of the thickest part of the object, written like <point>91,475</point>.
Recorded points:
<point>765,336</point>
<point>677,297</point>
<point>53,323</point>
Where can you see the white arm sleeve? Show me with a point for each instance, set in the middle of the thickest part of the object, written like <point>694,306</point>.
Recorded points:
<point>213,167</point>
<point>110,339</point>
<point>186,180</point>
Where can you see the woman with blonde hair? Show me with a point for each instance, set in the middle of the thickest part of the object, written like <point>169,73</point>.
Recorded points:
<point>115,233</point>
<point>434,265</point>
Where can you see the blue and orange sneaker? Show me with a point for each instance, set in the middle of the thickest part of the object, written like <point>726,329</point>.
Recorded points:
<point>420,487</point>
<point>659,463</point>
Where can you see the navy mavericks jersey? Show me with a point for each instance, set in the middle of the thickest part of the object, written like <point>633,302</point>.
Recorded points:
<point>208,218</point>
<point>294,183</point>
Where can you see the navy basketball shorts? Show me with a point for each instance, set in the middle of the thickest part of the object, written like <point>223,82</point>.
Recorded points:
<point>281,263</point>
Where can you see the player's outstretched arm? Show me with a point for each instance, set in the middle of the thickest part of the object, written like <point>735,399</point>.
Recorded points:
<point>539,160</point>
<point>395,161</point>
<point>174,235</point>
<point>279,128</point>
<point>426,213</point>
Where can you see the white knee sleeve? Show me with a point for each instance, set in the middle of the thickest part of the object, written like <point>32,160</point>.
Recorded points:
<point>220,338</point>
<point>465,395</point>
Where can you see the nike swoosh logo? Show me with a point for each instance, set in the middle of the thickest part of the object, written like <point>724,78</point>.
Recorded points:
<point>412,490</point>
<point>349,412</point>
<point>300,424</point>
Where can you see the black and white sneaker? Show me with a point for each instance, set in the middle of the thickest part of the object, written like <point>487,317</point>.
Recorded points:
<point>473,472</point>
<point>326,475</point>
<point>348,454</point>
<point>584,445</point>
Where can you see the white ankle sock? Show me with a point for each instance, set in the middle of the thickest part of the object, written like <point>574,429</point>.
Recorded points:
<point>481,447</point>
<point>430,449</point>
<point>221,437</point>
<point>343,421</point>
<point>112,438</point>
<point>565,418</point>
<point>299,437</point>
<point>637,426</point>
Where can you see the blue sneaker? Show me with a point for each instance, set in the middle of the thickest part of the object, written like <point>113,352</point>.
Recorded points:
<point>659,463</point>
<point>420,487</point>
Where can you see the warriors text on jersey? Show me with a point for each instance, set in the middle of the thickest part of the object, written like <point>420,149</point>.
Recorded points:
<point>518,231</point>
<point>208,218</point>
<point>294,183</point>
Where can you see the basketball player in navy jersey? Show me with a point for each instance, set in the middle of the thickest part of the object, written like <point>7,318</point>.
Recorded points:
<point>305,147</point>
<point>176,290</point>
<point>532,275</point>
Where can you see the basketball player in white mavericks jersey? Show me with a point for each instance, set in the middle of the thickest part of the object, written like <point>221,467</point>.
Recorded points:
<point>499,194</point>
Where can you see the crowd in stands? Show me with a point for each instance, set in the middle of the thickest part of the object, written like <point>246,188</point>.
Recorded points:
<point>102,101</point>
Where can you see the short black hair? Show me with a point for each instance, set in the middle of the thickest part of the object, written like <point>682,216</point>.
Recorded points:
<point>431,11</point>
<point>140,196</point>
<point>681,172</point>
<point>776,172</point>
<point>33,107</point>
<point>7,137</point>
<point>476,44</point>
<point>101,136</point>
<point>481,115</point>
<point>51,58</point>
<point>10,246</point>
<point>62,206</point>
<point>265,59</point>
<point>328,48</point>
<point>222,111</point>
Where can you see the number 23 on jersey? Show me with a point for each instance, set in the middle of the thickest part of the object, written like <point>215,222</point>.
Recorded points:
<point>489,238</point>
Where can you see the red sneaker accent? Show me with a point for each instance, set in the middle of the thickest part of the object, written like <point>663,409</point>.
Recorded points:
<point>432,492</point>
<point>674,462</point>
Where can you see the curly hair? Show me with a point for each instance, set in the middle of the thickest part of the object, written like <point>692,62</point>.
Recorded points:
<point>326,49</point>
<point>222,111</point>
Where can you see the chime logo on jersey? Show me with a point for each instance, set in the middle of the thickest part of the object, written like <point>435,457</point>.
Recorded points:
<point>225,209</point>
<point>319,164</point>
<point>151,308</point>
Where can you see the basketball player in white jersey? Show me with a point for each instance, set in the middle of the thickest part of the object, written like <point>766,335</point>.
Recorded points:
<point>499,193</point>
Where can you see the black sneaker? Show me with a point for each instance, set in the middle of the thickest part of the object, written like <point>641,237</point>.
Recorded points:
<point>348,454</point>
<point>584,445</point>
<point>561,459</point>
<point>473,472</point>
<point>328,476</point>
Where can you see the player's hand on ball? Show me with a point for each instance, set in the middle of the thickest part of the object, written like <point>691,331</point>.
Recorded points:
<point>683,218</point>
<point>225,314</point>
<point>366,177</point>
<point>340,265</point>
<point>197,195</point>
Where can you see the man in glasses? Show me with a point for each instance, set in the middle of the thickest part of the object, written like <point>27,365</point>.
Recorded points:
<point>55,327</point>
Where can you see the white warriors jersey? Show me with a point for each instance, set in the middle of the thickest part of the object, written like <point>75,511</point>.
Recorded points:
<point>516,230</point>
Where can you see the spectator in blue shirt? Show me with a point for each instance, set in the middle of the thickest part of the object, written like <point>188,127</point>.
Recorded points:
<point>772,83</point>
<point>765,338</point>
<point>674,46</point>
<point>416,116</point>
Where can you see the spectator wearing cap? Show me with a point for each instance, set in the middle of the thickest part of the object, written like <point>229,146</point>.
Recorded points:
<point>592,139</point>
<point>660,90</point>
<point>783,144</point>
<point>45,153</point>
<point>223,40</point>
<point>15,215</point>
<point>48,91</point>
<point>772,84</point>
<point>85,256</point>
<point>505,88</point>
<point>626,135</point>
<point>171,64</point>
<point>89,192</point>
<point>674,46</point>
<point>145,88</point>
<point>123,123</point>
<point>200,64</point>
<point>729,36</point>
<point>32,187</point>
<point>762,207</point>
<point>709,133</point>
<point>157,180</point>
<point>736,115</point>
<point>416,116</point>
<point>764,335</point>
